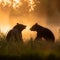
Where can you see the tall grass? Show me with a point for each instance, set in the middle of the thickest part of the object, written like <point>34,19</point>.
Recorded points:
<point>30,50</point>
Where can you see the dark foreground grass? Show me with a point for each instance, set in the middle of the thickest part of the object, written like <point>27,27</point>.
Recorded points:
<point>30,51</point>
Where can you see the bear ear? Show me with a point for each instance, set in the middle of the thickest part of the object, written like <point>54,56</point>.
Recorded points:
<point>17,23</point>
<point>36,24</point>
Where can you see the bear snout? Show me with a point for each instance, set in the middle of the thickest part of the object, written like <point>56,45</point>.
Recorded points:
<point>25,26</point>
<point>31,29</point>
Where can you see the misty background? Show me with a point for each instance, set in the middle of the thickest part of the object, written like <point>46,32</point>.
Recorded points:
<point>46,13</point>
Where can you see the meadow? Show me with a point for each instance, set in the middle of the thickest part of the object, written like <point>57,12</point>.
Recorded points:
<point>41,50</point>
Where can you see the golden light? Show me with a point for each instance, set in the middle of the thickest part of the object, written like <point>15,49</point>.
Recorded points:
<point>5,29</point>
<point>5,3</point>
<point>28,34</point>
<point>32,5</point>
<point>28,28</point>
<point>0,1</point>
<point>17,3</point>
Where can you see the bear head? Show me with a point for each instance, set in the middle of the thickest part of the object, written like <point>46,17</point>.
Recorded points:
<point>34,27</point>
<point>19,27</point>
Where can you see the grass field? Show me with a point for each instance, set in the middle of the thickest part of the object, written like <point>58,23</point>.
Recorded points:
<point>30,51</point>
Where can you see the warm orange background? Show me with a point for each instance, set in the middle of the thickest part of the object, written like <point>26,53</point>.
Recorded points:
<point>44,14</point>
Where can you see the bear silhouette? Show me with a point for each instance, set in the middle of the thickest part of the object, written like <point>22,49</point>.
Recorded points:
<point>15,34</point>
<point>42,32</point>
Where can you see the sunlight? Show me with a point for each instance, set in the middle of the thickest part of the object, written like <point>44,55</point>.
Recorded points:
<point>5,29</point>
<point>28,28</point>
<point>26,33</point>
<point>32,5</point>
<point>6,3</point>
<point>17,3</point>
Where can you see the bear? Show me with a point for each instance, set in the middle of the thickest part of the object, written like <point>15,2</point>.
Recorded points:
<point>42,33</point>
<point>15,34</point>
